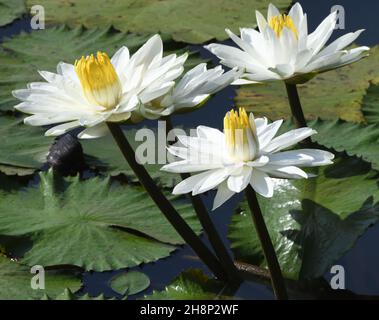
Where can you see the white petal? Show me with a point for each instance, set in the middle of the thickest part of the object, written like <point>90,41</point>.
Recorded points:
<point>285,172</point>
<point>92,120</point>
<point>211,181</point>
<point>260,162</point>
<point>241,82</point>
<point>149,95</point>
<point>290,158</point>
<point>62,128</point>
<point>119,116</point>
<point>44,119</point>
<point>321,35</point>
<point>237,183</point>
<point>94,132</point>
<point>120,61</point>
<point>234,57</point>
<point>68,71</point>
<point>351,56</point>
<point>261,124</point>
<point>324,62</point>
<point>272,11</point>
<point>341,42</point>
<point>150,51</point>
<point>262,183</point>
<point>188,184</point>
<point>296,13</point>
<point>186,166</point>
<point>262,76</point>
<point>245,46</point>
<point>288,139</point>
<point>223,194</point>
<point>210,133</point>
<point>261,21</point>
<point>283,70</point>
<point>179,152</point>
<point>128,103</point>
<point>302,59</point>
<point>302,158</point>
<point>268,133</point>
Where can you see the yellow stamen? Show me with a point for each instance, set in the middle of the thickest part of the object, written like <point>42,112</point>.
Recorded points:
<point>278,23</point>
<point>99,80</point>
<point>240,133</point>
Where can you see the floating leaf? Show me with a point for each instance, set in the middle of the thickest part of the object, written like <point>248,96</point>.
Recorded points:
<point>192,21</point>
<point>353,138</point>
<point>190,285</point>
<point>314,222</point>
<point>331,95</point>
<point>13,170</point>
<point>69,295</point>
<point>23,149</point>
<point>23,55</point>
<point>95,224</point>
<point>130,282</point>
<point>15,282</point>
<point>104,155</point>
<point>11,10</point>
<point>370,105</point>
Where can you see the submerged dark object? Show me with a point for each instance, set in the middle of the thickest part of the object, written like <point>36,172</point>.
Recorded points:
<point>66,155</point>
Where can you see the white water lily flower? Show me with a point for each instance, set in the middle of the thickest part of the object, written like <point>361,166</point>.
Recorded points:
<point>247,152</point>
<point>282,49</point>
<point>193,89</point>
<point>98,89</point>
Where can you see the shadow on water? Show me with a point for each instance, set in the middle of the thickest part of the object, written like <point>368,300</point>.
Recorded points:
<point>361,263</point>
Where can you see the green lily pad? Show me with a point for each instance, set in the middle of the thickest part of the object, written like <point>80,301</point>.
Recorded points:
<point>15,281</point>
<point>11,10</point>
<point>23,55</point>
<point>190,285</point>
<point>23,149</point>
<point>130,282</point>
<point>370,105</point>
<point>334,94</point>
<point>353,138</point>
<point>192,21</point>
<point>95,224</point>
<point>314,222</point>
<point>69,295</point>
<point>104,155</point>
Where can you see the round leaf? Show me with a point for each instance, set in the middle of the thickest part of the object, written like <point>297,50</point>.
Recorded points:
<point>353,138</point>
<point>370,105</point>
<point>192,21</point>
<point>15,282</point>
<point>69,295</point>
<point>130,282</point>
<point>11,10</point>
<point>94,224</point>
<point>314,222</point>
<point>23,149</point>
<point>190,285</point>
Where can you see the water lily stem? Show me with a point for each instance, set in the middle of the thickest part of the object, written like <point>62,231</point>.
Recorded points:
<point>295,104</point>
<point>209,227</point>
<point>165,205</point>
<point>277,280</point>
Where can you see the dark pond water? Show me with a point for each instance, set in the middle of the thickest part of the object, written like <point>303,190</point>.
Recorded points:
<point>361,263</point>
